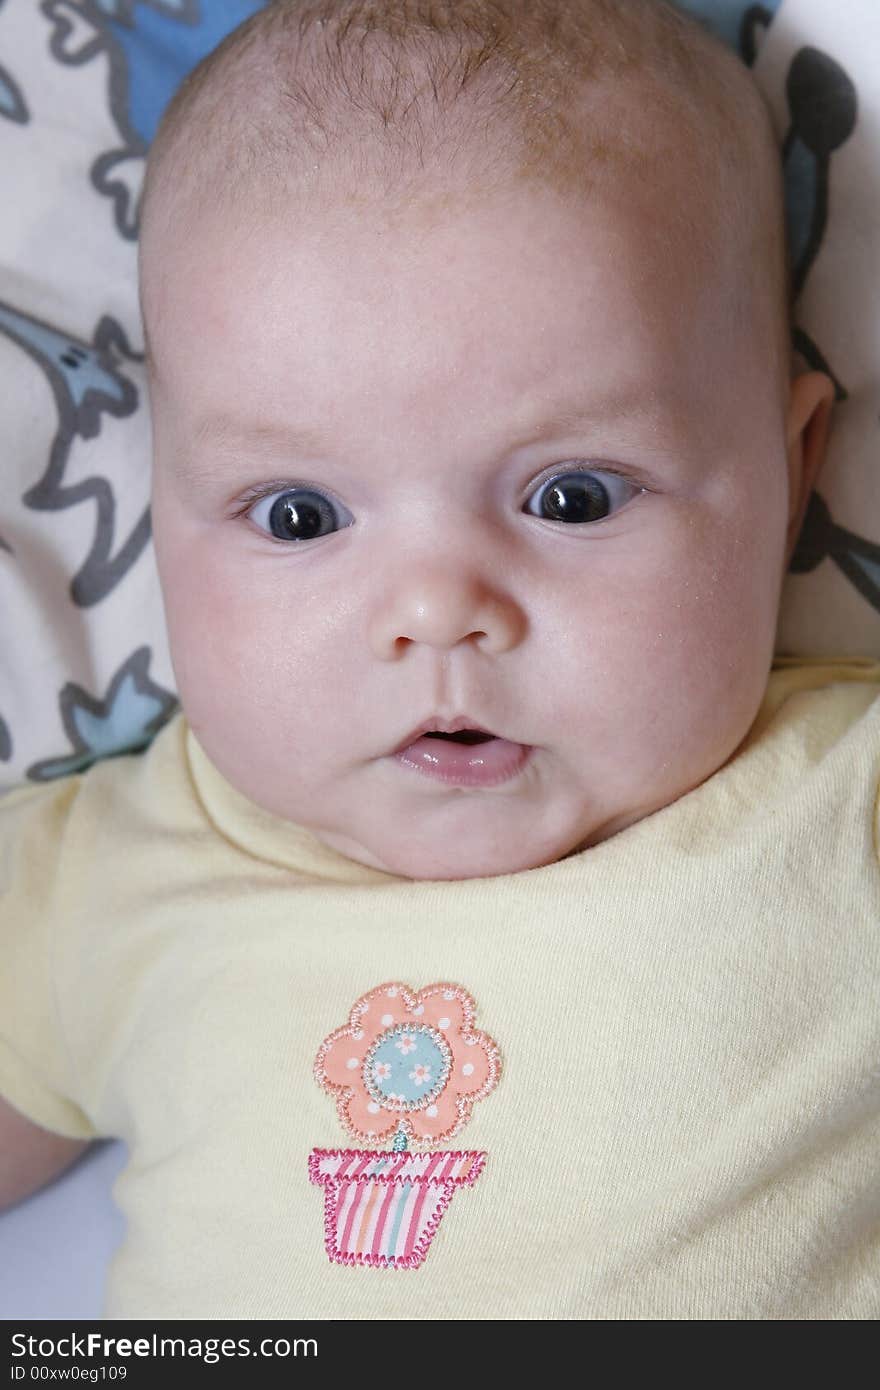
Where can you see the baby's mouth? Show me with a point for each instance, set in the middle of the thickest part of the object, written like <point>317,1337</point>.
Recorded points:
<point>465,756</point>
<point>456,729</point>
<point>463,736</point>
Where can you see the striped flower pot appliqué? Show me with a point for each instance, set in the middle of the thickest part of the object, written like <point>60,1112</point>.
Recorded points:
<point>406,1070</point>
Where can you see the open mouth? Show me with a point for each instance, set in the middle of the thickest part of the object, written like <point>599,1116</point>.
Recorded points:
<point>463,736</point>
<point>497,761</point>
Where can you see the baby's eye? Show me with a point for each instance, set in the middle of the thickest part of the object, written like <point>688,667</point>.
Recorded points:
<point>296,514</point>
<point>579,496</point>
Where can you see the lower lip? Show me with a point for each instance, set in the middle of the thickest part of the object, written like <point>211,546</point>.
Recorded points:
<point>466,765</point>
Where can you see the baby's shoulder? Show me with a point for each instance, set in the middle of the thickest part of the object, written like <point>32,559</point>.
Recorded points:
<point>108,795</point>
<point>828,695</point>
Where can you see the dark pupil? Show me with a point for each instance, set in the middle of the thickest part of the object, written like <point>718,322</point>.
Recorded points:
<point>299,516</point>
<point>575,497</point>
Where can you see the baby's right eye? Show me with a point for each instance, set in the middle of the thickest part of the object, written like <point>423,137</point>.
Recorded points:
<point>296,514</point>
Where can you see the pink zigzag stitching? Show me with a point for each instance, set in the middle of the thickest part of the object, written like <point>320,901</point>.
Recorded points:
<point>413,1260</point>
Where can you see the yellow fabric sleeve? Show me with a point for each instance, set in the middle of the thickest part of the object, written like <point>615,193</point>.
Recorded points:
<point>37,1075</point>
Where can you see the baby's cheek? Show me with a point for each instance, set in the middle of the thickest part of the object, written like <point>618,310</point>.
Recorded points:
<point>251,651</point>
<point>696,601</point>
<point>205,610</point>
<point>714,629</point>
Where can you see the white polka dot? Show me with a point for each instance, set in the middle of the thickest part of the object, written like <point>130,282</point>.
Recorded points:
<point>352,1064</point>
<point>373,1108</point>
<point>387,1019</point>
<point>469,1042</point>
<point>442,1022</point>
<point>468,1069</point>
<point>358,1033</point>
<point>448,994</point>
<point>419,1009</point>
<point>392,992</point>
<point>431,1111</point>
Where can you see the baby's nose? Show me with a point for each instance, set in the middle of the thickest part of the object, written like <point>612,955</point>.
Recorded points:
<point>441,609</point>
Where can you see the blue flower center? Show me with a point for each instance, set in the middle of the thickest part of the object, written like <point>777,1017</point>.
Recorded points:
<point>407,1067</point>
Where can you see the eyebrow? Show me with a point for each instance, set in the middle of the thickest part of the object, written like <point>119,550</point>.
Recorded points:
<point>624,404</point>
<point>630,403</point>
<point>226,432</point>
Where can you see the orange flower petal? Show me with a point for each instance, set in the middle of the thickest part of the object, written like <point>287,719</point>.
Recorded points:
<point>382,1008</point>
<point>472,1066</point>
<point>343,1051</point>
<point>366,1124</point>
<point>437,1121</point>
<point>444,1008</point>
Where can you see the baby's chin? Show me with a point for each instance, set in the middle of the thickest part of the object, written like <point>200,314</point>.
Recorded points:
<point>462,860</point>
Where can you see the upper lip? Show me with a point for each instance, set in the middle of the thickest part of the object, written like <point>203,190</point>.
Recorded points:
<point>436,725</point>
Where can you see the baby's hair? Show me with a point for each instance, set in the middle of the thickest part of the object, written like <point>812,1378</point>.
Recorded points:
<point>336,102</point>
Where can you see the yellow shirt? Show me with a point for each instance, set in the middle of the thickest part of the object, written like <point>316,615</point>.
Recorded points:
<point>673,1103</point>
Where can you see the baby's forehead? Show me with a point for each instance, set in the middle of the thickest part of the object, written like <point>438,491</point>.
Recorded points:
<point>350,243</point>
<point>627,101</point>
<point>491,326</point>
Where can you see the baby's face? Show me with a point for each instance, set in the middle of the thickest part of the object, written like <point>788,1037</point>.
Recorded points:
<point>394,397</point>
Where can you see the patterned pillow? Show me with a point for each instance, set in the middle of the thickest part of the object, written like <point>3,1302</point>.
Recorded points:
<point>85,671</point>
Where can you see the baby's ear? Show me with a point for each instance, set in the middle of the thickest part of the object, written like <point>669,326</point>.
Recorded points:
<point>809,421</point>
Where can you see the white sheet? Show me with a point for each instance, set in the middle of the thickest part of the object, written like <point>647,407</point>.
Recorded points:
<point>55,1247</point>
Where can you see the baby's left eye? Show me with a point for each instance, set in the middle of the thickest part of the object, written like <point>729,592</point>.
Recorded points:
<point>579,496</point>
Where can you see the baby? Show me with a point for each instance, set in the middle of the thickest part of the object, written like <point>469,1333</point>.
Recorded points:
<point>490,850</point>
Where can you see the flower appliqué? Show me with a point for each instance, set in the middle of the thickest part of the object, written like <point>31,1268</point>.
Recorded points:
<point>409,1066</point>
